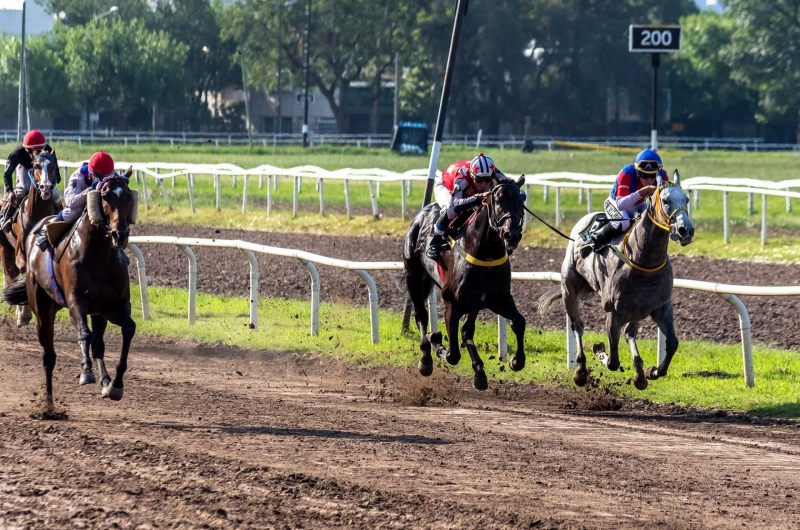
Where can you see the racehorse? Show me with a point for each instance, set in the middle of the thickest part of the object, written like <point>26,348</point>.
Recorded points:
<point>38,204</point>
<point>90,278</point>
<point>634,281</point>
<point>474,275</point>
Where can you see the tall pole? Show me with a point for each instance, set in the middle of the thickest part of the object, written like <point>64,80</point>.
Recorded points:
<point>27,92</point>
<point>308,68</point>
<point>246,104</point>
<point>280,69</point>
<point>461,12</point>
<point>654,129</point>
<point>21,79</point>
<point>396,89</point>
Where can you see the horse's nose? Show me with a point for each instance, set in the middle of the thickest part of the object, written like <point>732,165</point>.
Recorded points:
<point>682,231</point>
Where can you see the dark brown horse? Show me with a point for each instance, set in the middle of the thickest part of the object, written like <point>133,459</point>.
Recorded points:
<point>38,204</point>
<point>474,275</point>
<point>91,278</point>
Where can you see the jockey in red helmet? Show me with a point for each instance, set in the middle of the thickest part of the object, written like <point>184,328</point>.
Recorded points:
<point>460,188</point>
<point>626,200</point>
<point>20,162</point>
<point>81,182</point>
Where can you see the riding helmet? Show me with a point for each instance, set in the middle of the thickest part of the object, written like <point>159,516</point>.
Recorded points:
<point>648,162</point>
<point>482,167</point>
<point>34,140</point>
<point>101,164</point>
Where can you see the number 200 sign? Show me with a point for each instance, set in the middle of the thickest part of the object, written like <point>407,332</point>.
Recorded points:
<point>655,39</point>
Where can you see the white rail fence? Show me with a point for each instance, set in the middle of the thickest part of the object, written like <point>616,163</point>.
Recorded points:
<point>478,140</point>
<point>310,260</point>
<point>586,184</point>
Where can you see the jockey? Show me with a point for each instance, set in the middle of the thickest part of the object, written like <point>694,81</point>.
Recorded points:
<point>626,200</point>
<point>81,182</point>
<point>20,161</point>
<point>460,188</point>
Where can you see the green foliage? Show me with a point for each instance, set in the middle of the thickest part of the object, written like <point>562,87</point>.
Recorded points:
<point>115,65</point>
<point>764,55</point>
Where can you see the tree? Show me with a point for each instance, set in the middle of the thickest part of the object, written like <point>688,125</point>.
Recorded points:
<point>763,54</point>
<point>118,66</point>
<point>707,96</point>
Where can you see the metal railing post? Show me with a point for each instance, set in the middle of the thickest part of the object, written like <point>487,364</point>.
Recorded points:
<point>502,338</point>
<point>192,282</point>
<point>726,218</point>
<point>347,199</point>
<point>763,219</point>
<point>433,311</point>
<point>218,192</point>
<point>244,193</point>
<point>572,347</point>
<point>143,289</point>
<point>747,339</point>
<point>321,196</point>
<point>373,304</point>
<point>253,288</point>
<point>375,212</point>
<point>295,192</point>
<point>315,285</point>
<point>190,182</point>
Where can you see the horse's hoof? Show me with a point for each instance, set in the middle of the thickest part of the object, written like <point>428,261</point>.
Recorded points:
<point>580,377</point>
<point>640,381</point>
<point>516,363</point>
<point>87,378</point>
<point>435,338</point>
<point>652,373</point>
<point>425,370</point>
<point>113,393</point>
<point>453,358</point>
<point>24,315</point>
<point>481,382</point>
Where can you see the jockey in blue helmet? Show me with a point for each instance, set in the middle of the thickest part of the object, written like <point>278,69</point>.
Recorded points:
<point>626,200</point>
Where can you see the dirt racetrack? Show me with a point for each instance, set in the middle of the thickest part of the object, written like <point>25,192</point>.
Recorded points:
<point>698,315</point>
<point>215,437</point>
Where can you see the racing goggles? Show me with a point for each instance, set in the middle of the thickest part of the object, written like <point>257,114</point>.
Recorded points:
<point>477,178</point>
<point>649,166</point>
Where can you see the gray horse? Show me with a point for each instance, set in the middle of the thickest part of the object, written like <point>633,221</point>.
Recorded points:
<point>634,281</point>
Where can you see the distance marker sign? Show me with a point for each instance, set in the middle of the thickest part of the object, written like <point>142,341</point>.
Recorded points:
<point>655,39</point>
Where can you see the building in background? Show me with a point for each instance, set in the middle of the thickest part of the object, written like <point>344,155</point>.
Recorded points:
<point>36,20</point>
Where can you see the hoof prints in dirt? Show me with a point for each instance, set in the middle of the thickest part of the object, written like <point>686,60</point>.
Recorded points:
<point>225,272</point>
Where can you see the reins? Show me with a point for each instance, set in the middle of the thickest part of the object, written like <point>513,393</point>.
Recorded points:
<point>656,205</point>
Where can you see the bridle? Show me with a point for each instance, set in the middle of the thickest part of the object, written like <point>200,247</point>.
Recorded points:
<point>496,224</point>
<point>104,225</point>
<point>662,220</point>
<point>50,158</point>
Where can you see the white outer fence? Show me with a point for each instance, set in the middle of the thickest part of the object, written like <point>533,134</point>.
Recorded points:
<point>585,183</point>
<point>308,259</point>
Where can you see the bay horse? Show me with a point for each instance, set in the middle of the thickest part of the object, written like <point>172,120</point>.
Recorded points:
<point>633,277</point>
<point>474,275</point>
<point>38,204</point>
<point>90,279</point>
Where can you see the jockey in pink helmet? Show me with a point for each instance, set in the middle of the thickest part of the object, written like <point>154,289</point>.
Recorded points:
<point>459,189</point>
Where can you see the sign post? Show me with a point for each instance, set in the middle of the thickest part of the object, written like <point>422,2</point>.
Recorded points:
<point>655,40</point>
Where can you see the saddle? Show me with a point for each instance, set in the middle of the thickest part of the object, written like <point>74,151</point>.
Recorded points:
<point>59,234</point>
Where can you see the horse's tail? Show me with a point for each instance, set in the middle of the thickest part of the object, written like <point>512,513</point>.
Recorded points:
<point>547,299</point>
<point>17,293</point>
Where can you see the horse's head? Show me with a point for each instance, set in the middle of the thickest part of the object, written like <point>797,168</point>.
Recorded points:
<point>670,203</point>
<point>115,207</point>
<point>43,175</point>
<point>505,210</point>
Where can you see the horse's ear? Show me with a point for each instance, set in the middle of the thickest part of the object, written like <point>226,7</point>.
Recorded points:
<point>676,177</point>
<point>521,180</point>
<point>128,173</point>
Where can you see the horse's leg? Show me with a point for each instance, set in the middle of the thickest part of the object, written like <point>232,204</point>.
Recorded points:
<point>665,321</point>
<point>507,309</point>
<point>99,324</point>
<point>11,272</point>
<point>79,319</point>
<point>480,381</point>
<point>127,326</point>
<point>452,315</point>
<point>639,380</point>
<point>613,328</point>
<point>572,305</point>
<point>418,289</point>
<point>45,323</point>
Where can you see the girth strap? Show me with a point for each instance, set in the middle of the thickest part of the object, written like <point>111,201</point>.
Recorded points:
<point>472,259</point>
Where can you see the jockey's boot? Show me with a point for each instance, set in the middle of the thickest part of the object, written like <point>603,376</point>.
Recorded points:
<point>436,244</point>
<point>598,239</point>
<point>7,219</point>
<point>41,240</point>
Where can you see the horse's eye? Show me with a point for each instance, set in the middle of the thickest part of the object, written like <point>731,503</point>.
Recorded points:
<point>37,166</point>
